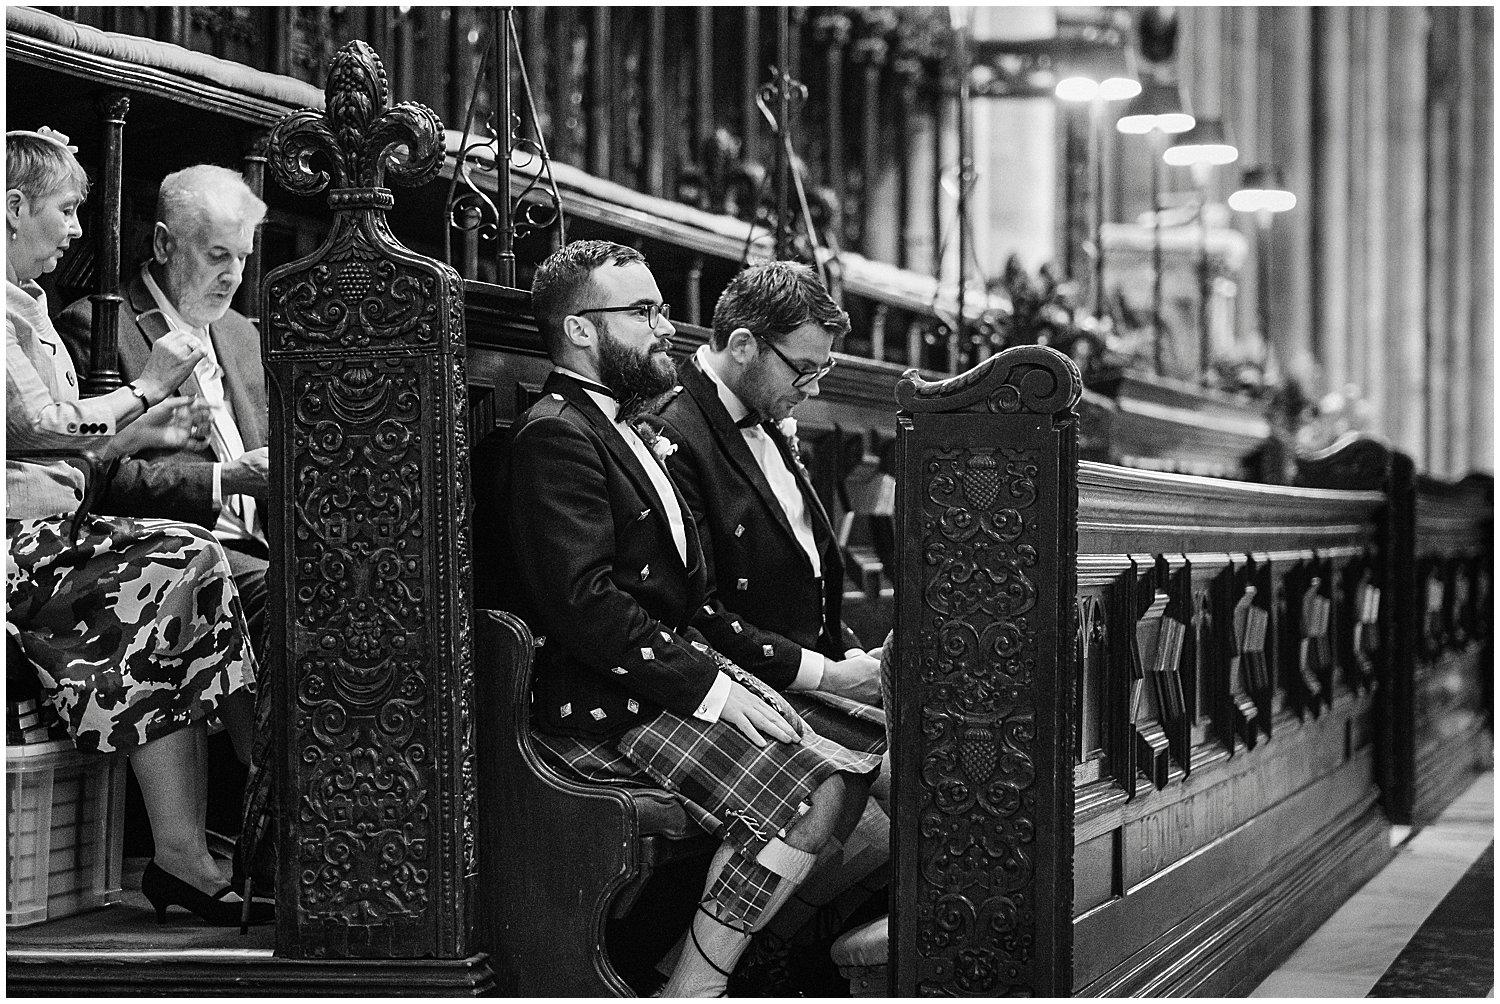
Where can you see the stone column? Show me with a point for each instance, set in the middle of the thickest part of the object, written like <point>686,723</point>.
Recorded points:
<point>1462,225</point>
<point>1405,251</point>
<point>1015,150</point>
<point>1482,260</point>
<point>1290,76</point>
<point>1330,194</point>
<point>1370,314</point>
<point>1358,183</point>
<point>918,241</point>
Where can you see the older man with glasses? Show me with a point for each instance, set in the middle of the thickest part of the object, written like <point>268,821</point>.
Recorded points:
<point>772,554</point>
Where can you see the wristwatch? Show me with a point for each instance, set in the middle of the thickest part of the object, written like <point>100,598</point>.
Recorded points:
<point>145,401</point>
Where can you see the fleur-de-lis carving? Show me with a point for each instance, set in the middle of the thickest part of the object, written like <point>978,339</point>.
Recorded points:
<point>360,136</point>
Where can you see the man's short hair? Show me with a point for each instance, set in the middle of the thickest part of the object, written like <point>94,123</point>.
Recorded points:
<point>186,198</point>
<point>564,284</point>
<point>773,300</point>
<point>38,166</point>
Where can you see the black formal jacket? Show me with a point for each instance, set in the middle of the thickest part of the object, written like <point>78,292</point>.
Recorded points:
<point>600,578</point>
<point>173,484</point>
<point>757,568</point>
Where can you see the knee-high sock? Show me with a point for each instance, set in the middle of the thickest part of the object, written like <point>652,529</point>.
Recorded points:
<point>713,947</point>
<point>841,867</point>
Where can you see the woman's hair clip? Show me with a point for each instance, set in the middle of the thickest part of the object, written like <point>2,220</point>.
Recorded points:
<point>47,133</point>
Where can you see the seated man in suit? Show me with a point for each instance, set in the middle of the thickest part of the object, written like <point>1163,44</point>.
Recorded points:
<point>205,229</point>
<point>612,574</point>
<point>771,552</point>
<point>773,559</point>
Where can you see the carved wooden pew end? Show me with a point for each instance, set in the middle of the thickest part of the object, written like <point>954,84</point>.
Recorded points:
<point>559,858</point>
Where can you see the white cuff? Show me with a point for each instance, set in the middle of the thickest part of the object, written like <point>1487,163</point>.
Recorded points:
<point>218,486</point>
<point>810,673</point>
<point>713,704</point>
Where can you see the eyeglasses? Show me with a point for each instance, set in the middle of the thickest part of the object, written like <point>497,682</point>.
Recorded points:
<point>653,313</point>
<point>804,375</point>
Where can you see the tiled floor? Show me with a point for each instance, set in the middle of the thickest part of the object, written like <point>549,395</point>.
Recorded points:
<point>1348,955</point>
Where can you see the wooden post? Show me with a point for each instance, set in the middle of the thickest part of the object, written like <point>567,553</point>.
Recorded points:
<point>104,356</point>
<point>247,298</point>
<point>601,80</point>
<point>982,838</point>
<point>371,583</point>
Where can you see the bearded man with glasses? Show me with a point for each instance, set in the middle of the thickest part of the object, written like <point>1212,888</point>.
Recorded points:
<point>773,557</point>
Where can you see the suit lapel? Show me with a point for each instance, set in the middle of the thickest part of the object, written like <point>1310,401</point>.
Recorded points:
<point>822,526</point>
<point>150,322</point>
<point>624,456</point>
<point>239,357</point>
<point>732,442</point>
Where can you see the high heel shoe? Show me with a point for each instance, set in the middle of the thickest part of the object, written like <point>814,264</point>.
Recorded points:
<point>164,889</point>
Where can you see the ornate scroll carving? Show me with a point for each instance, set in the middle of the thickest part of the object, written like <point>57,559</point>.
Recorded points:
<point>985,692</point>
<point>365,350</point>
<point>1028,379</point>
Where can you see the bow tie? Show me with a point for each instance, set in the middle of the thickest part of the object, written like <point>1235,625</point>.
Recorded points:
<point>750,421</point>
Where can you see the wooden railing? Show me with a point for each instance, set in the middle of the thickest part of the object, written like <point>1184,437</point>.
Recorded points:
<point>1137,715</point>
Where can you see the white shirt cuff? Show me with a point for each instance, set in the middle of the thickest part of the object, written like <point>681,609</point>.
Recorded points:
<point>810,673</point>
<point>218,485</point>
<point>713,704</point>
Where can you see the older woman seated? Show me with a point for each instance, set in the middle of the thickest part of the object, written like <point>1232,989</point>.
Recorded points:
<point>134,626</point>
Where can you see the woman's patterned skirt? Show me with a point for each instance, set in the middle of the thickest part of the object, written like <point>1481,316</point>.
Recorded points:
<point>135,631</point>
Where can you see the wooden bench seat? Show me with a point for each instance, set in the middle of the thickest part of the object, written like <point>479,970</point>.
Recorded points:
<point>559,858</point>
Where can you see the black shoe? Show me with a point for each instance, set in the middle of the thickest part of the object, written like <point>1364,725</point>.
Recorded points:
<point>163,889</point>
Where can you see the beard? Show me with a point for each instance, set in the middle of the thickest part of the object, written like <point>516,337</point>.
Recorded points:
<point>634,377</point>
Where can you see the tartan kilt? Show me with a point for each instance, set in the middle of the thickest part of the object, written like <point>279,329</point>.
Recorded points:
<point>743,793</point>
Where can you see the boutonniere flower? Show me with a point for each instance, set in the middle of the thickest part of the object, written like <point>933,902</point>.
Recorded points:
<point>663,447</point>
<point>788,429</point>
<point>660,445</point>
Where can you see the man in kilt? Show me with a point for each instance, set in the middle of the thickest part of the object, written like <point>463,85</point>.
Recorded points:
<point>631,684</point>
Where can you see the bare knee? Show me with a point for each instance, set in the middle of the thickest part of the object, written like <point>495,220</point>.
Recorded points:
<point>836,807</point>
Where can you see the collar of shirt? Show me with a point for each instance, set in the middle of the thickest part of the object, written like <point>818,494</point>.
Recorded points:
<point>732,403</point>
<point>174,319</point>
<point>29,300</point>
<point>606,403</point>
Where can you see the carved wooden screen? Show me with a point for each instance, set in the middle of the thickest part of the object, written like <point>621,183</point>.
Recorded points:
<point>364,349</point>
<point>984,731</point>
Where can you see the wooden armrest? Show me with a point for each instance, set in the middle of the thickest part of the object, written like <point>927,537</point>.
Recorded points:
<point>554,853</point>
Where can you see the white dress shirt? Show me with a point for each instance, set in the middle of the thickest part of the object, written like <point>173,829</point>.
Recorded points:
<point>713,703</point>
<point>788,493</point>
<point>237,512</point>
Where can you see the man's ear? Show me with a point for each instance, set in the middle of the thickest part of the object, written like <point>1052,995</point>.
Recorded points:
<point>162,243</point>
<point>742,346</point>
<point>579,331</point>
<point>15,201</point>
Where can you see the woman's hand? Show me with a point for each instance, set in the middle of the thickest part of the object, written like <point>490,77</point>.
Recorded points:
<point>173,357</point>
<point>174,424</point>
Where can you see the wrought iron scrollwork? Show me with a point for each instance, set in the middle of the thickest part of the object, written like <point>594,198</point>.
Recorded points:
<point>539,205</point>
